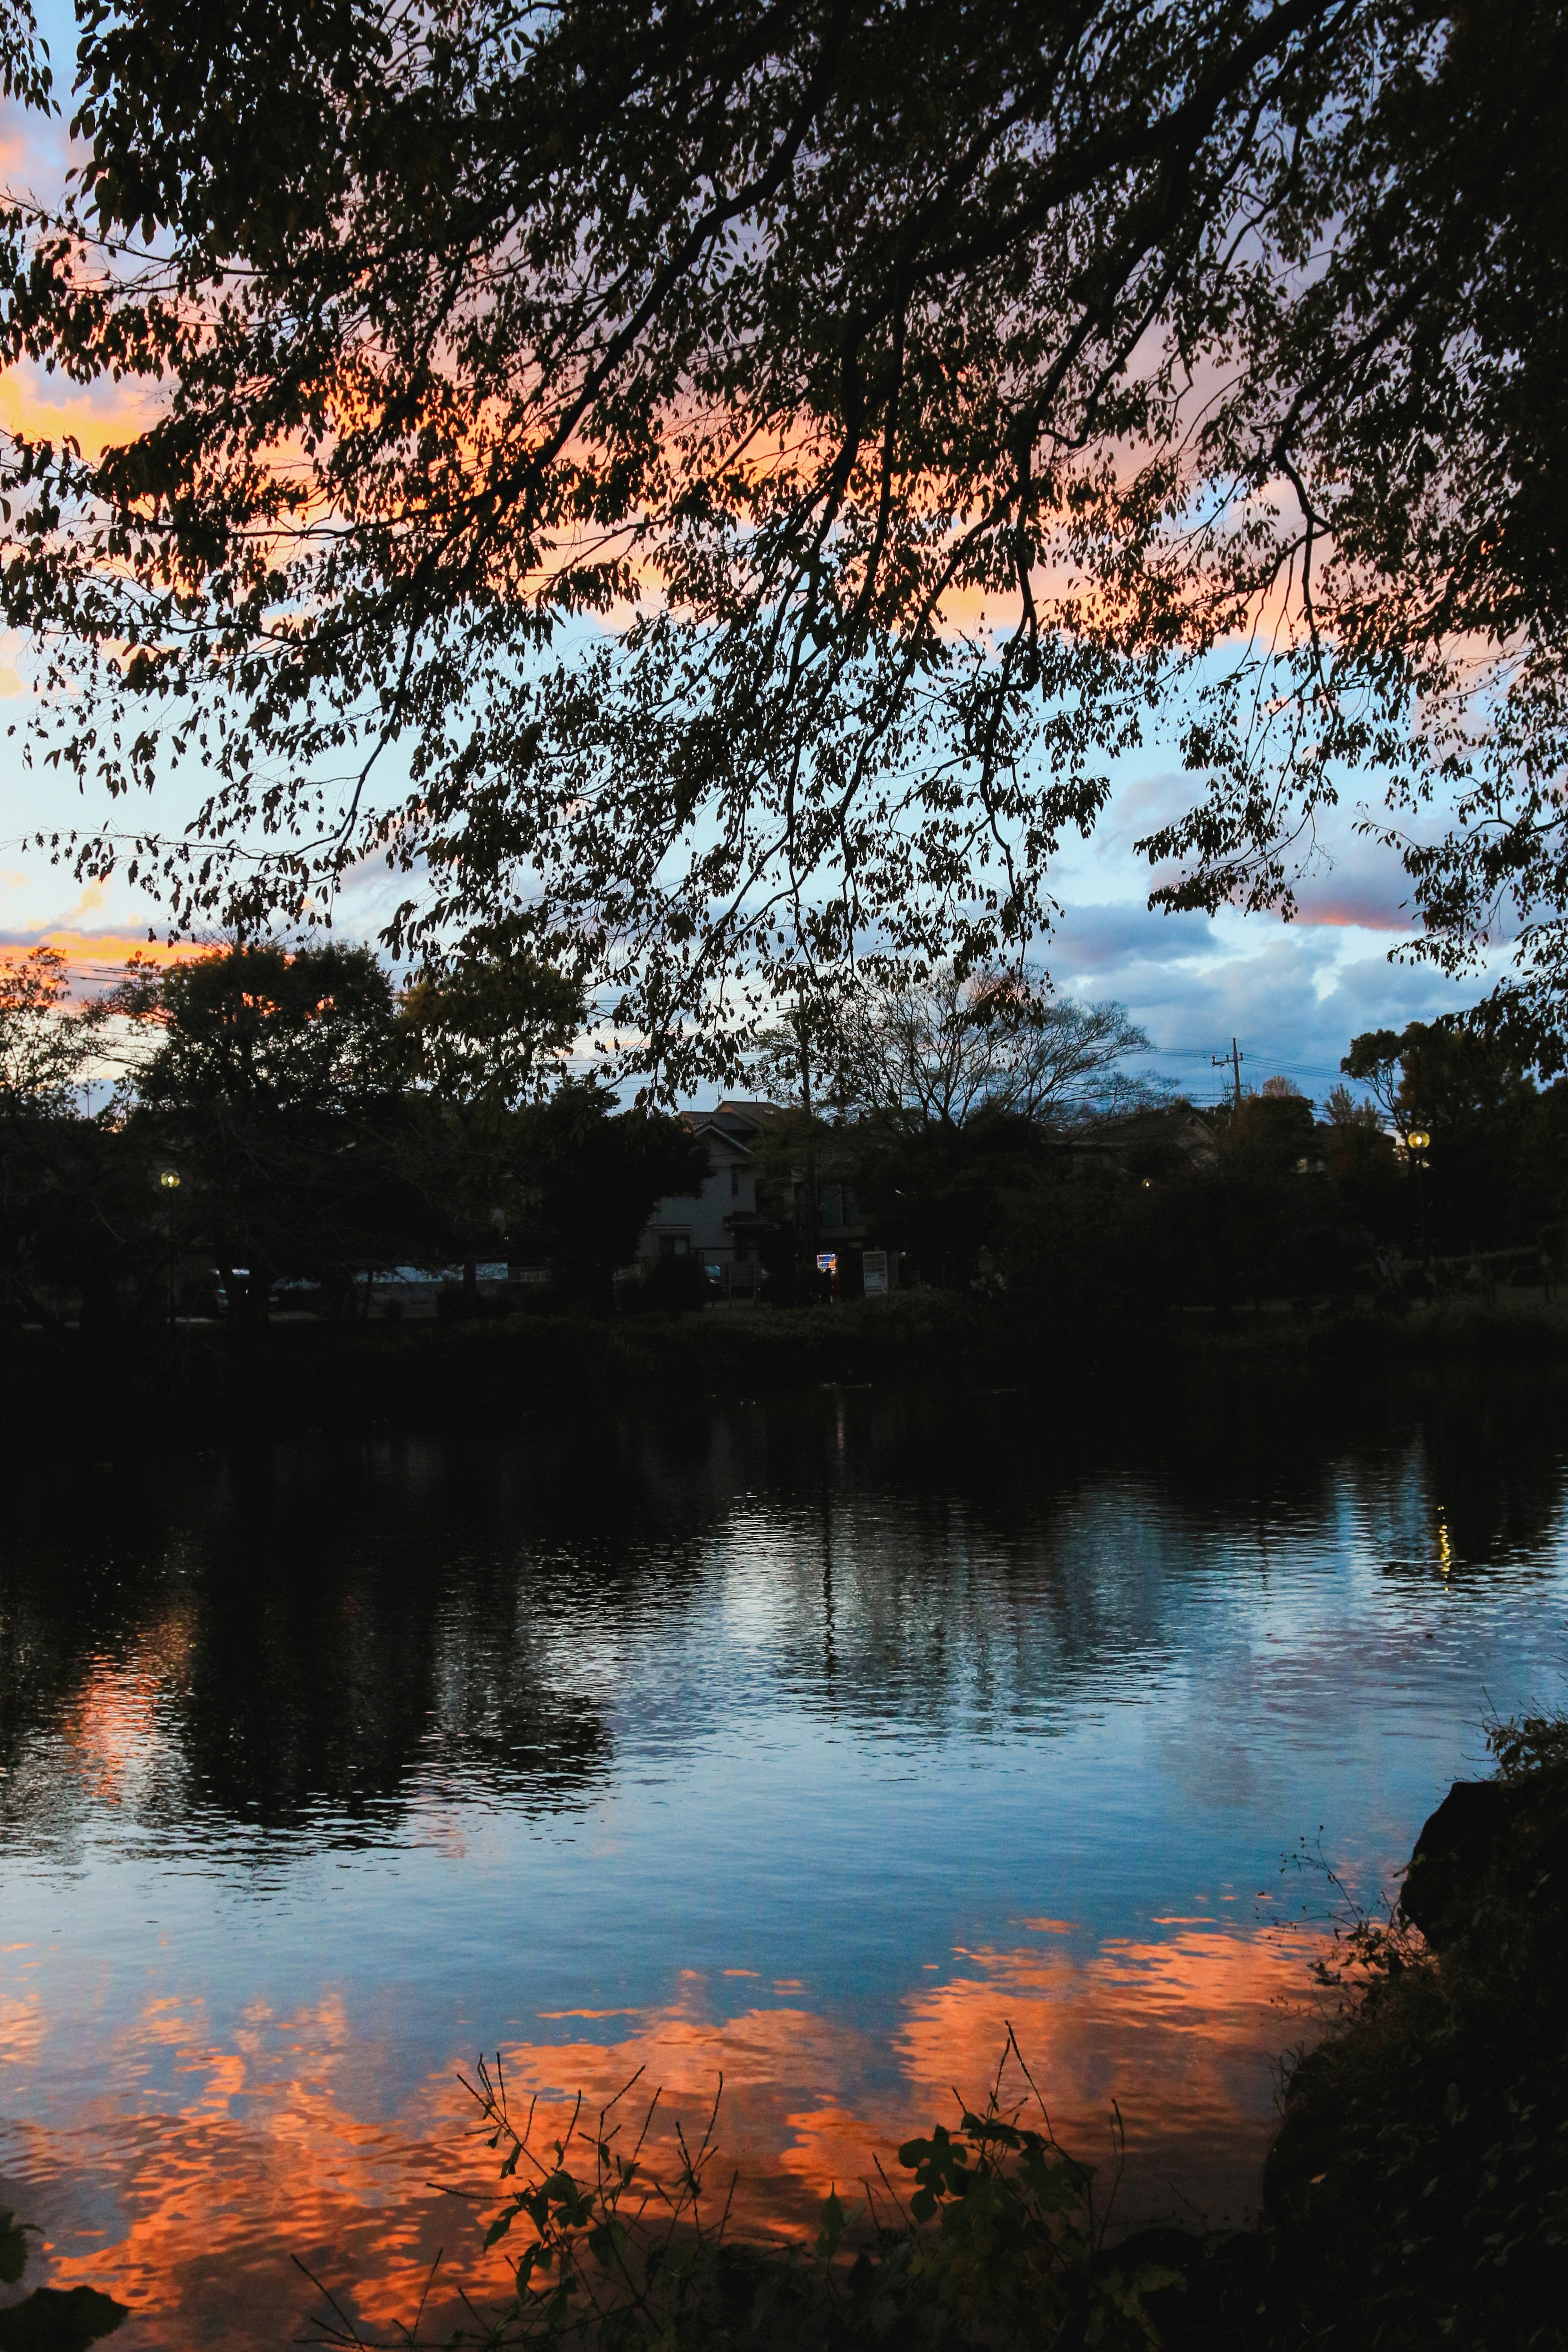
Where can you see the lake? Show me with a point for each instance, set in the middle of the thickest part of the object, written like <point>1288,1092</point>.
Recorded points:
<point>810,1741</point>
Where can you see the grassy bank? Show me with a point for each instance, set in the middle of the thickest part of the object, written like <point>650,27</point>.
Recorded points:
<point>200,1380</point>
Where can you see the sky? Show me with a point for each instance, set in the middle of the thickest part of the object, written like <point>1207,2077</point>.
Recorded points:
<point>1291,996</point>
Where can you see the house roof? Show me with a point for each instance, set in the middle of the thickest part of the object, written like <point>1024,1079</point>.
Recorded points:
<point>754,1116</point>
<point>733,1137</point>
<point>1176,1124</point>
<point>738,1123</point>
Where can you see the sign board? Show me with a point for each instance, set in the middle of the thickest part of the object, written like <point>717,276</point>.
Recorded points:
<point>874,1272</point>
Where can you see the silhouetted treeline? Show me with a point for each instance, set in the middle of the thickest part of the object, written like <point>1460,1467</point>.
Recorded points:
<point>292,1119</point>
<point>1452,1178</point>
<point>285,1126</point>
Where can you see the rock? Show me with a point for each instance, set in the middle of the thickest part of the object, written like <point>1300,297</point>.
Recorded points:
<point>1457,1848</point>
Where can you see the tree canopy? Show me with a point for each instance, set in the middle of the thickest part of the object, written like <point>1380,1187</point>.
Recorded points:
<point>46,1042</point>
<point>752,463</point>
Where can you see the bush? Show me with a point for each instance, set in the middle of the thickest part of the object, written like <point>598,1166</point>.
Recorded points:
<point>671,1286</point>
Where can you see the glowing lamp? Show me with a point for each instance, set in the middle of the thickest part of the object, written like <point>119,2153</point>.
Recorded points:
<point>1419,1140</point>
<point>170,1179</point>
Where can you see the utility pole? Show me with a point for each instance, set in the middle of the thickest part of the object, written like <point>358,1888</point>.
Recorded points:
<point>803,1041</point>
<point>1232,1062</point>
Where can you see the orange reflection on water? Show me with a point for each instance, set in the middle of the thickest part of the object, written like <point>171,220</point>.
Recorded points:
<point>275,2144</point>
<point>1182,2035</point>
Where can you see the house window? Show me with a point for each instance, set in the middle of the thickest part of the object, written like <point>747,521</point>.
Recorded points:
<point>734,1184</point>
<point>674,1245</point>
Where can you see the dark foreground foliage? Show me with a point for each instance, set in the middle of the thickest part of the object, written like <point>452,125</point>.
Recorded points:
<point>1418,2188</point>
<point>996,2236</point>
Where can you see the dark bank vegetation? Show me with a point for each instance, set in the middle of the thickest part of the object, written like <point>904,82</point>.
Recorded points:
<point>994,2235</point>
<point>207,1386</point>
<point>1416,2193</point>
<point>1420,2179</point>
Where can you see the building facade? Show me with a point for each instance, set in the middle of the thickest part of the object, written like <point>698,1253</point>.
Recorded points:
<point>718,1225</point>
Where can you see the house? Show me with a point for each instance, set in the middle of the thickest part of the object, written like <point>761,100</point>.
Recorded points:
<point>722,1226</point>
<point>718,1225</point>
<point>1169,1132</point>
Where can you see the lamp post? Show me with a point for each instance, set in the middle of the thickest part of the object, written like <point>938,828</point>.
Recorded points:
<point>170,1181</point>
<point>1418,1142</point>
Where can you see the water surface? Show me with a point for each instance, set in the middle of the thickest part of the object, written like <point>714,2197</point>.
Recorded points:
<point>810,1741</point>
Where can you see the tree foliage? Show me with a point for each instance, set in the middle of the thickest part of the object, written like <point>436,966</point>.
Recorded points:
<point>46,1044</point>
<point>256,1033</point>
<point>291,1115</point>
<point>488,1033</point>
<point>597,1173</point>
<point>754,464</point>
<point>274,1088</point>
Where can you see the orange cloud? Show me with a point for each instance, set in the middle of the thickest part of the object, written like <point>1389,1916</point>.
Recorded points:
<point>35,406</point>
<point>94,957</point>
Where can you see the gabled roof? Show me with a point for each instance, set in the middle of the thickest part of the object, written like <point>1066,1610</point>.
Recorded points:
<point>707,1123</point>
<point>752,1116</point>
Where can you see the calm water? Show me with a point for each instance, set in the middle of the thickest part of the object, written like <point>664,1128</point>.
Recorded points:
<point>810,1741</point>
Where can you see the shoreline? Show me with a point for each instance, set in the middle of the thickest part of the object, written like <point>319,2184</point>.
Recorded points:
<point>292,1375</point>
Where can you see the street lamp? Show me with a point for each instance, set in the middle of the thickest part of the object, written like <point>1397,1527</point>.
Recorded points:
<point>1418,1141</point>
<point>170,1181</point>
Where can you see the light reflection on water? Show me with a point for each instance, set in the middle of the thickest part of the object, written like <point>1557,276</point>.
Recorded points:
<point>812,1742</point>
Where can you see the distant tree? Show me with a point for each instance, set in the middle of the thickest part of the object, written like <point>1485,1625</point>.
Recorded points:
<point>73,1226</point>
<point>255,1032</point>
<point>1486,1184</point>
<point>943,1049</point>
<point>1439,1076</point>
<point>1375,1059</point>
<point>1347,1109</point>
<point>488,1034</point>
<point>1267,1131</point>
<point>45,1044</point>
<point>955,1198</point>
<point>277,1083</point>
